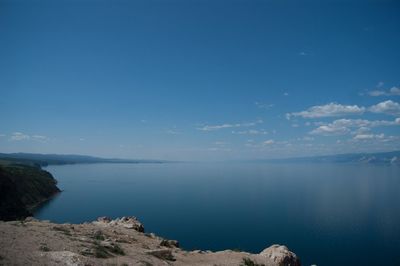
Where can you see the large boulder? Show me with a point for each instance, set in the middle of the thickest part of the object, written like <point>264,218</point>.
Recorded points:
<point>281,255</point>
<point>164,254</point>
<point>129,222</point>
<point>169,243</point>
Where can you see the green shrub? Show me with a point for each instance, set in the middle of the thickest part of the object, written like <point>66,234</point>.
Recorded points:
<point>44,248</point>
<point>116,249</point>
<point>98,235</point>
<point>101,252</point>
<point>249,262</point>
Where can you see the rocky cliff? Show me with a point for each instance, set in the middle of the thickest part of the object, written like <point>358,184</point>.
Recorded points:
<point>22,187</point>
<point>114,242</point>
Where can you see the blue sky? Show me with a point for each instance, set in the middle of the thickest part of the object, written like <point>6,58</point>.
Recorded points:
<point>199,80</point>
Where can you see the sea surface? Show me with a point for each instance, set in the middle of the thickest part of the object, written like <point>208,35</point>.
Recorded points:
<point>328,214</point>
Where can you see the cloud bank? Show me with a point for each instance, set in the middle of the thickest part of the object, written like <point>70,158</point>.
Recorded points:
<point>328,110</point>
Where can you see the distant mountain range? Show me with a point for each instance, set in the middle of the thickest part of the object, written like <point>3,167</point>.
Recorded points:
<point>392,157</point>
<point>52,159</point>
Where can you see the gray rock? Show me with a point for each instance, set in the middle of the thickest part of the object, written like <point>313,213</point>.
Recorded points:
<point>129,222</point>
<point>31,219</point>
<point>281,255</point>
<point>104,219</point>
<point>132,223</point>
<point>164,254</point>
<point>169,243</point>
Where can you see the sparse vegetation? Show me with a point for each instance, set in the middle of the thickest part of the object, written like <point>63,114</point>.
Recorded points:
<point>145,263</point>
<point>124,241</point>
<point>249,262</point>
<point>116,249</point>
<point>44,248</point>
<point>63,230</point>
<point>101,251</point>
<point>98,235</point>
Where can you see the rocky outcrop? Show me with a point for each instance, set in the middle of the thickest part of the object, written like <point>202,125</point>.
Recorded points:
<point>281,255</point>
<point>22,188</point>
<point>169,243</point>
<point>129,222</point>
<point>114,242</point>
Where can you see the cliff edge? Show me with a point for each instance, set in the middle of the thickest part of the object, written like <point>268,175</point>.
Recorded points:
<point>114,242</point>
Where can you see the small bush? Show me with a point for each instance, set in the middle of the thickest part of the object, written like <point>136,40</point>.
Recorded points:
<point>249,262</point>
<point>63,230</point>
<point>101,252</point>
<point>98,235</point>
<point>116,249</point>
<point>145,263</point>
<point>44,248</point>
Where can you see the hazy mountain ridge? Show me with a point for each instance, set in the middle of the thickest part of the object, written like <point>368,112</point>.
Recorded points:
<point>392,157</point>
<point>57,159</point>
<point>35,159</point>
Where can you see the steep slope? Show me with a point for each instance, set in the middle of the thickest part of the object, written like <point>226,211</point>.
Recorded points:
<point>22,187</point>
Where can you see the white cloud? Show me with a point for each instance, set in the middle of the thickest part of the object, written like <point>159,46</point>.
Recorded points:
<point>39,138</point>
<point>387,107</point>
<point>377,139</point>
<point>344,126</point>
<point>394,91</point>
<point>264,105</point>
<point>368,136</point>
<point>328,110</point>
<point>285,94</point>
<point>362,130</point>
<point>218,149</point>
<point>218,127</point>
<point>380,84</point>
<point>18,136</point>
<point>376,93</point>
<point>330,130</point>
<point>303,53</point>
<point>251,132</point>
<point>269,142</point>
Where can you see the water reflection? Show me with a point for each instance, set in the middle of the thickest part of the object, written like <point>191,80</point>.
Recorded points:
<point>329,214</point>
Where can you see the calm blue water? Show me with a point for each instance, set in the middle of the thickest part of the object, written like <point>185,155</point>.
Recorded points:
<point>329,214</point>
